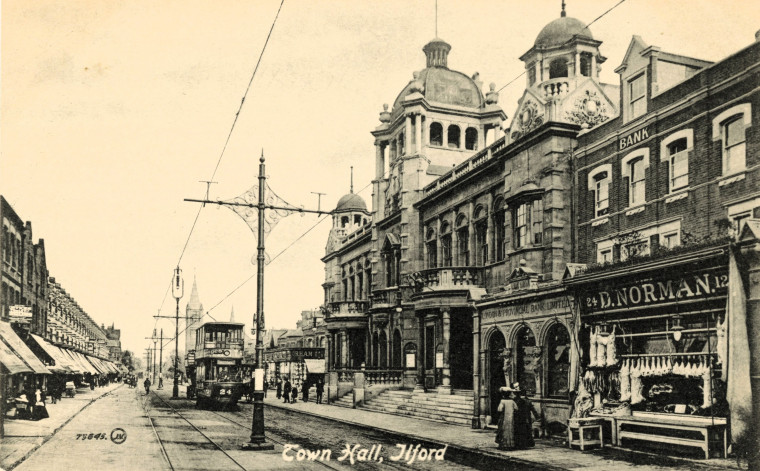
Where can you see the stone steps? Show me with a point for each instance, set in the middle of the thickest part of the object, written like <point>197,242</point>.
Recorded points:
<point>454,409</point>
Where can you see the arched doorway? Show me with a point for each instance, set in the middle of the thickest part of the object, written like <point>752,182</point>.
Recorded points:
<point>396,349</point>
<point>374,350</point>
<point>382,341</point>
<point>496,358</point>
<point>526,362</point>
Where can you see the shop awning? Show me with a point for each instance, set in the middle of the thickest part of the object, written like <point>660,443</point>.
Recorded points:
<point>96,364</point>
<point>54,353</point>
<point>71,363</point>
<point>82,365</point>
<point>21,350</point>
<point>86,364</point>
<point>10,362</point>
<point>315,366</point>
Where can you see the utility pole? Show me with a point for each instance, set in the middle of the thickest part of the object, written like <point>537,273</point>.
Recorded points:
<point>154,356</point>
<point>178,289</point>
<point>161,361</point>
<point>147,358</point>
<point>258,439</point>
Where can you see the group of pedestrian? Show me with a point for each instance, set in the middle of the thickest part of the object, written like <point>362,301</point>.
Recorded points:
<point>30,404</point>
<point>289,392</point>
<point>516,414</point>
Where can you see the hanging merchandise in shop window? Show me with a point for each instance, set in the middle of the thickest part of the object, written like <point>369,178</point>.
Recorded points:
<point>702,284</point>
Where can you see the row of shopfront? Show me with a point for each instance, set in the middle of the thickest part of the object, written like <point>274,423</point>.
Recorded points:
<point>627,345</point>
<point>28,361</point>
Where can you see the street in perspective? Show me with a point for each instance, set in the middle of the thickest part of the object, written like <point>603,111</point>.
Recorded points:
<point>429,235</point>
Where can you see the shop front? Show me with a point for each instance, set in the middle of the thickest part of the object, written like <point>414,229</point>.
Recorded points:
<point>526,338</point>
<point>653,342</point>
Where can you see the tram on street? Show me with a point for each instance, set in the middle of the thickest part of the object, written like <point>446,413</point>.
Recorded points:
<point>218,365</point>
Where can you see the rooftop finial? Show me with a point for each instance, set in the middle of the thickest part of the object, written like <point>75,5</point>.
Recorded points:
<point>563,9</point>
<point>262,155</point>
<point>352,179</point>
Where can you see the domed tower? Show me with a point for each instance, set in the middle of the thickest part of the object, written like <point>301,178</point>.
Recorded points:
<point>193,315</point>
<point>440,118</point>
<point>562,73</point>
<point>350,215</point>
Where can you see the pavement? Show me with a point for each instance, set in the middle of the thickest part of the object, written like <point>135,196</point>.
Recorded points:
<point>552,453</point>
<point>23,437</point>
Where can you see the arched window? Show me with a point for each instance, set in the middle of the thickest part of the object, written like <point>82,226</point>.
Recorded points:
<point>585,65</point>
<point>445,245</point>
<point>558,68</point>
<point>431,246</point>
<point>463,242</point>
<point>526,362</point>
<point>436,134</point>
<point>471,139</point>
<point>401,144</point>
<point>454,136</point>
<point>558,360</point>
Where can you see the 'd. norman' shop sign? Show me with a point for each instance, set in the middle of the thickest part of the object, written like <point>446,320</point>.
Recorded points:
<point>652,292</point>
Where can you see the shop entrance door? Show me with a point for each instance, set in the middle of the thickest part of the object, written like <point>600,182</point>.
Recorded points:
<point>496,346</point>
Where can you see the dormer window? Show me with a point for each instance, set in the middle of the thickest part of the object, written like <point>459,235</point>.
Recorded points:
<point>637,96</point>
<point>558,68</point>
<point>436,134</point>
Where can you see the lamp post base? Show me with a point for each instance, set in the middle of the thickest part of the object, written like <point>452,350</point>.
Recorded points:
<point>258,440</point>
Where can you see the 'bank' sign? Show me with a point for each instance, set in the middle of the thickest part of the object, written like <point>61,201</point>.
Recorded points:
<point>653,292</point>
<point>633,138</point>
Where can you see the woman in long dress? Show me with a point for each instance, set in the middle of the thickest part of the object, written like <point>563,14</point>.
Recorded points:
<point>505,436</point>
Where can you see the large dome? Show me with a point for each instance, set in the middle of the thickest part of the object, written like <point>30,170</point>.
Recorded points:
<point>445,86</point>
<point>437,83</point>
<point>562,30</point>
<point>351,202</point>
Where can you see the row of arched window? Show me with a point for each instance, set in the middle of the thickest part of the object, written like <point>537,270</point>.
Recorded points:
<point>453,137</point>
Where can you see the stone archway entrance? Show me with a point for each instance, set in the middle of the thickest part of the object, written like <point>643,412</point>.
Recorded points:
<point>497,357</point>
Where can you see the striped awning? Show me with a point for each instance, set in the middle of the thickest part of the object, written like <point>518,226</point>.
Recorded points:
<point>18,347</point>
<point>53,352</point>
<point>10,362</point>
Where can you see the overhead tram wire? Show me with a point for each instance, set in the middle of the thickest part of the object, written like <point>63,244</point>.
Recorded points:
<point>270,261</point>
<point>226,142</point>
<point>594,21</point>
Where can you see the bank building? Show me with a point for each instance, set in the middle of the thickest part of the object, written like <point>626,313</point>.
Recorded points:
<point>471,268</point>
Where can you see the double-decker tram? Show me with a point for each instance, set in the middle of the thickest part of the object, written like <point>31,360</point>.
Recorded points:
<point>218,365</point>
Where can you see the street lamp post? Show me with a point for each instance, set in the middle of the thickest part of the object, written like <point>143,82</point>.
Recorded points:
<point>258,440</point>
<point>178,289</point>
<point>161,361</point>
<point>154,356</point>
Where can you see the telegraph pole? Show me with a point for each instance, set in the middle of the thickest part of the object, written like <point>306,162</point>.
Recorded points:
<point>178,289</point>
<point>258,439</point>
<point>161,361</point>
<point>154,356</point>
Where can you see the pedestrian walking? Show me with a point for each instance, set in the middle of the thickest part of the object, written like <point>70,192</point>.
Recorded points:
<point>286,391</point>
<point>505,436</point>
<point>320,391</point>
<point>293,394</point>
<point>305,393</point>
<point>146,383</point>
<point>40,411</point>
<point>266,386</point>
<point>279,388</point>
<point>524,418</point>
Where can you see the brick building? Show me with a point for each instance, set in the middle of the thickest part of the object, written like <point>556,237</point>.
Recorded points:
<point>24,269</point>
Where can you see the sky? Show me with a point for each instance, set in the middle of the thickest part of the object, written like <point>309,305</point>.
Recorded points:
<point>112,113</point>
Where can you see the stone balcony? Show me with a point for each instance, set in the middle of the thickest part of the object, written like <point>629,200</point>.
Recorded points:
<point>449,278</point>
<point>347,308</point>
<point>556,88</point>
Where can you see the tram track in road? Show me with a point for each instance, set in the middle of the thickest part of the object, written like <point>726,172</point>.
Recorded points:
<point>175,411</point>
<point>335,436</point>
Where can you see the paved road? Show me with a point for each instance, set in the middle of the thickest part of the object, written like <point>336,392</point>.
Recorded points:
<point>72,448</point>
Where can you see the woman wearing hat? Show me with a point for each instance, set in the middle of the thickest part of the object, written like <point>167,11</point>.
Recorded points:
<point>505,436</point>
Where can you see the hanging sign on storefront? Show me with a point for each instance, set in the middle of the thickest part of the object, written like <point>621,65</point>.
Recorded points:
<point>652,292</point>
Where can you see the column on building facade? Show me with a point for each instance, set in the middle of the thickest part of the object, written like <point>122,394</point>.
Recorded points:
<point>490,235</point>
<point>408,135</point>
<point>454,241</point>
<point>471,245</point>
<point>593,67</point>
<point>343,348</point>
<point>420,386</point>
<point>329,359</point>
<point>369,355</point>
<point>577,64</point>
<point>476,371</point>
<point>418,133</point>
<point>379,174</point>
<point>445,387</point>
<point>539,70</point>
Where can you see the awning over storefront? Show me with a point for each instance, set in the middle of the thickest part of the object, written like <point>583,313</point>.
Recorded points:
<point>86,364</point>
<point>70,362</point>
<point>11,364</point>
<point>97,364</point>
<point>21,350</point>
<point>315,366</point>
<point>53,352</point>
